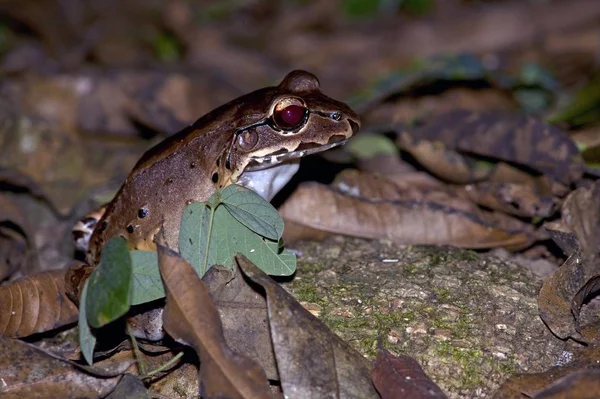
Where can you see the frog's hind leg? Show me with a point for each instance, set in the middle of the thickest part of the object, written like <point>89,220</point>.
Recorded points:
<point>83,229</point>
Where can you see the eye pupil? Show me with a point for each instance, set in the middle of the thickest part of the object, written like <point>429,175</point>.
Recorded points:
<point>291,116</point>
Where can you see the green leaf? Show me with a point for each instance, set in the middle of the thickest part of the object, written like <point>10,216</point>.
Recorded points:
<point>229,237</point>
<point>146,284</point>
<point>584,108</point>
<point>253,211</point>
<point>193,234</point>
<point>87,339</point>
<point>110,285</point>
<point>368,146</point>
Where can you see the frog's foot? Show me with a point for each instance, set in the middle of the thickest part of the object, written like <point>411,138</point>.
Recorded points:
<point>83,229</point>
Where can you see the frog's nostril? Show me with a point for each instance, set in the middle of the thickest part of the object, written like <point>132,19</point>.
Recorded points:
<point>355,126</point>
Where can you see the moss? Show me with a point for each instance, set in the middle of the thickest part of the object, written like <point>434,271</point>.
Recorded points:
<point>463,328</point>
<point>308,293</point>
<point>368,346</point>
<point>469,359</point>
<point>312,267</point>
<point>442,294</point>
<point>436,260</point>
<point>410,269</point>
<point>508,366</point>
<point>394,319</point>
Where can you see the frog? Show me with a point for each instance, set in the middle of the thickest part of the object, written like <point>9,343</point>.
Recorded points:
<point>255,140</point>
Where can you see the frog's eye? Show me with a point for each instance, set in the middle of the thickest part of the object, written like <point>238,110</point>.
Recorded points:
<point>290,114</point>
<point>247,139</point>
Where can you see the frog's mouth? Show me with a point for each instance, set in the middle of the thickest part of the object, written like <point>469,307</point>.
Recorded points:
<point>267,175</point>
<point>268,161</point>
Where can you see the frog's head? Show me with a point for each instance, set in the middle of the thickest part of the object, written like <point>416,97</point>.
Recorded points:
<point>278,125</point>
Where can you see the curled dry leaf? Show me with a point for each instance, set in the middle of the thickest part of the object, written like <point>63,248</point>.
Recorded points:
<point>571,380</point>
<point>15,246</point>
<point>402,377</point>
<point>35,304</point>
<point>443,161</point>
<point>367,206</point>
<point>191,317</point>
<point>514,199</point>
<point>520,140</point>
<point>313,362</point>
<point>27,372</point>
<point>582,384</point>
<point>578,232</point>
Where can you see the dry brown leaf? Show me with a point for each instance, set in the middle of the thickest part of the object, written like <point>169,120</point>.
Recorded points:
<point>15,246</point>
<point>35,304</point>
<point>514,199</point>
<point>312,361</point>
<point>409,108</point>
<point>578,234</point>
<point>557,380</point>
<point>402,377</point>
<point>129,387</point>
<point>27,372</point>
<point>518,140</point>
<point>582,384</point>
<point>191,317</point>
<point>444,162</point>
<point>370,209</point>
<point>243,314</point>
<point>295,232</point>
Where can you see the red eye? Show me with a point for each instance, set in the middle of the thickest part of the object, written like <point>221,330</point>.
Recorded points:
<point>290,117</point>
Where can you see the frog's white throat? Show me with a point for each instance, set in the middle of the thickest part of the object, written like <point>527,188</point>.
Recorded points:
<point>267,175</point>
<point>267,182</point>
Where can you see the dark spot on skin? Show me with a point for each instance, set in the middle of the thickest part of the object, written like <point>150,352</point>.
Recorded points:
<point>192,165</point>
<point>142,213</point>
<point>228,164</point>
<point>103,226</point>
<point>169,181</point>
<point>218,161</point>
<point>215,177</point>
<point>130,229</point>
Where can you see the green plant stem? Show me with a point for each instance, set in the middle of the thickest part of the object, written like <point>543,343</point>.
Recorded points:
<point>165,365</point>
<point>136,351</point>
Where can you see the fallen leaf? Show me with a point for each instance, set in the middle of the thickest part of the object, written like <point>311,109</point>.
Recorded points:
<point>558,380</point>
<point>369,207</point>
<point>129,387</point>
<point>514,199</point>
<point>191,317</point>
<point>312,361</point>
<point>16,251</point>
<point>243,313</point>
<point>519,140</point>
<point>402,377</point>
<point>34,304</point>
<point>578,232</point>
<point>27,372</point>
<point>582,384</point>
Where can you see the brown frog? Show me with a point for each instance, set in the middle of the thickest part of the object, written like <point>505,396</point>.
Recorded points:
<point>255,140</point>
